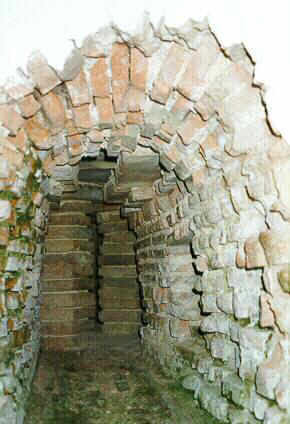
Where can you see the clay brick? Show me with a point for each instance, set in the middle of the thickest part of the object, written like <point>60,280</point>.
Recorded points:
<point>75,145</point>
<point>20,141</point>
<point>120,316</point>
<point>68,285</point>
<point>42,74</point>
<point>69,232</point>
<point>114,328</point>
<point>62,328</point>
<point>254,254</point>
<point>120,75</point>
<point>138,70</point>
<point>78,90</point>
<point>135,118</point>
<point>192,82</point>
<point>29,106</point>
<point>117,259</point>
<point>167,75</point>
<point>105,111</point>
<point>82,116</point>
<point>38,134</point>
<point>19,86</point>
<point>100,79</point>
<point>69,299</point>
<point>54,109</point>
<point>115,271</point>
<point>61,344</point>
<point>119,303</point>
<point>190,128</point>
<point>11,119</point>
<point>69,219</point>
<point>68,245</point>
<point>68,313</point>
<point>113,227</point>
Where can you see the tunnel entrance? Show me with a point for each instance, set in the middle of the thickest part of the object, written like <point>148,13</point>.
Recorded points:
<point>89,277</point>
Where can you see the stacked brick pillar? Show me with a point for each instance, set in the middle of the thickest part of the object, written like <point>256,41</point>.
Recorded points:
<point>119,292</point>
<point>68,279</point>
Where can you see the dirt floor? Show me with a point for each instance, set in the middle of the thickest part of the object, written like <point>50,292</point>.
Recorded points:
<point>110,386</point>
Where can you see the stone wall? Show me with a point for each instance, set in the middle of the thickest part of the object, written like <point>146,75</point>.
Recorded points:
<point>68,279</point>
<point>207,184</point>
<point>119,296</point>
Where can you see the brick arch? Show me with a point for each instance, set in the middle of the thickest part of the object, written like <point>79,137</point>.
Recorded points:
<point>224,178</point>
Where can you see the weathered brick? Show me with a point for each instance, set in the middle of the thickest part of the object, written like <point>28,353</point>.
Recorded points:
<point>120,75</point>
<point>78,90</point>
<point>11,119</point>
<point>42,74</point>
<point>82,116</point>
<point>170,68</point>
<point>100,79</point>
<point>29,106</point>
<point>54,109</point>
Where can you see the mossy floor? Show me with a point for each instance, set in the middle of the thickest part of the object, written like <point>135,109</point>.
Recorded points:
<point>108,386</point>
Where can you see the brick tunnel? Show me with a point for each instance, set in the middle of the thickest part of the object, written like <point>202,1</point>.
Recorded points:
<point>144,191</point>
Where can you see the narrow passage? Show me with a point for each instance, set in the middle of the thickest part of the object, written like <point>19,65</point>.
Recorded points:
<point>112,385</point>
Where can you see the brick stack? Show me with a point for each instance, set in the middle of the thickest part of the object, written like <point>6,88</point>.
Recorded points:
<point>119,291</point>
<point>68,279</point>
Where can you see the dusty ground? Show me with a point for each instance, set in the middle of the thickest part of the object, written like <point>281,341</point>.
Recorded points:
<point>108,386</point>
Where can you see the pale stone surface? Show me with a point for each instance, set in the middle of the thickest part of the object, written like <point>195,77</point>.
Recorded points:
<point>41,73</point>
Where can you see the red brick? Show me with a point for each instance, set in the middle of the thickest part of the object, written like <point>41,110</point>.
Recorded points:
<point>190,127</point>
<point>105,109</point>
<point>100,79</point>
<point>82,116</point>
<point>42,74</point>
<point>54,109</point>
<point>38,134</point>
<point>78,90</point>
<point>11,119</point>
<point>172,65</point>
<point>139,69</point>
<point>28,106</point>
<point>120,75</point>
